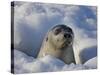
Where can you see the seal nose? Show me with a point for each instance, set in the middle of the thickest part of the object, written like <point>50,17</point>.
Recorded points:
<point>67,35</point>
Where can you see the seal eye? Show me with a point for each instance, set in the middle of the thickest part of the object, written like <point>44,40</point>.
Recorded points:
<point>57,31</point>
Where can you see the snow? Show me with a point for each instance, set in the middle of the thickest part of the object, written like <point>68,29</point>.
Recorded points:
<point>33,20</point>
<point>92,63</point>
<point>25,64</point>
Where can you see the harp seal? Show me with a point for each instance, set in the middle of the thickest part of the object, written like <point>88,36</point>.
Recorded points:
<point>58,42</point>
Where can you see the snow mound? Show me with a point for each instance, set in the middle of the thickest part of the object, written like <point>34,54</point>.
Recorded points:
<point>26,64</point>
<point>92,63</point>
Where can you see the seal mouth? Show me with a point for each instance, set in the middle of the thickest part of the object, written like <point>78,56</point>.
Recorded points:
<point>65,40</point>
<point>66,43</point>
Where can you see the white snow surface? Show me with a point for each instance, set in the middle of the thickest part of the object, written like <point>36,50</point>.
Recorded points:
<point>92,63</point>
<point>25,64</point>
<point>33,20</point>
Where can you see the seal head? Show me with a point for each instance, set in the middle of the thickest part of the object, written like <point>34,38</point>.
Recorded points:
<point>58,43</point>
<point>61,36</point>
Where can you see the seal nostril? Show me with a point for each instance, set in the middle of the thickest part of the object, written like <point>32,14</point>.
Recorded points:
<point>67,35</point>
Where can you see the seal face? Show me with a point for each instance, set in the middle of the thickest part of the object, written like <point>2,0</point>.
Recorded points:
<point>62,36</point>
<point>58,43</point>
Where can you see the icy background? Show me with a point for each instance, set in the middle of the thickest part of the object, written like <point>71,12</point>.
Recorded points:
<point>26,64</point>
<point>33,20</point>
